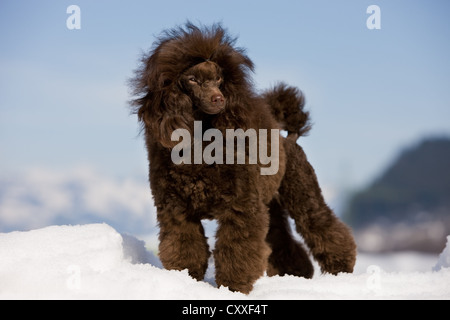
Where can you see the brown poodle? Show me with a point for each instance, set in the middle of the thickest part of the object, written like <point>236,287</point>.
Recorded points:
<point>194,75</point>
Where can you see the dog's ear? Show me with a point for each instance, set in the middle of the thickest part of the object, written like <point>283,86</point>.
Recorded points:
<point>163,112</point>
<point>162,107</point>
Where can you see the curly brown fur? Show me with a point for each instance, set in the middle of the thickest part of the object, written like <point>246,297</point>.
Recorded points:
<point>330,241</point>
<point>196,74</point>
<point>288,255</point>
<point>287,105</point>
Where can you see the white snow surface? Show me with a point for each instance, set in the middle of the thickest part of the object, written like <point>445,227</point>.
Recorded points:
<point>94,261</point>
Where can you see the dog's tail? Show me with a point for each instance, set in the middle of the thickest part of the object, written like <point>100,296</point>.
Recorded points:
<point>287,106</point>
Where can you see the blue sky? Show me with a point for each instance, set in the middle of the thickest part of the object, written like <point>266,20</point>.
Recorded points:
<point>63,93</point>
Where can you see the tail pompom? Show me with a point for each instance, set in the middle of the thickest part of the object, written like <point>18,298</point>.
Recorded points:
<point>287,106</point>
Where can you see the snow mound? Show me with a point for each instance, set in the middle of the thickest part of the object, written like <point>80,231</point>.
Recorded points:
<point>96,262</point>
<point>444,257</point>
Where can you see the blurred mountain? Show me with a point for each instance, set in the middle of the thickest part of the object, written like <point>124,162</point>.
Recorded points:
<point>408,206</point>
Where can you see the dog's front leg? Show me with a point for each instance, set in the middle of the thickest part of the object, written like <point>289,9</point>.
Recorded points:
<point>182,242</point>
<point>241,251</point>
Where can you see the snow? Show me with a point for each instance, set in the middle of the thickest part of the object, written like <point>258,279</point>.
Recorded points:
<point>94,261</point>
<point>444,257</point>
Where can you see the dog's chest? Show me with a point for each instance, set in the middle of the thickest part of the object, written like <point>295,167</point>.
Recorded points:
<point>204,185</point>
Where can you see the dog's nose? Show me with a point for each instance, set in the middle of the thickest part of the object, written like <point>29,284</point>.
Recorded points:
<point>217,100</point>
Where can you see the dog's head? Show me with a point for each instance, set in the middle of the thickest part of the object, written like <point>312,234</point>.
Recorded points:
<point>191,71</point>
<point>202,83</point>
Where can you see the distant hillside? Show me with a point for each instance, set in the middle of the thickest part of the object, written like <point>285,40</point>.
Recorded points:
<point>413,192</point>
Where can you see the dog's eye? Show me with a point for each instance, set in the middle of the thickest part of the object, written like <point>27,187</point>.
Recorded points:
<point>192,79</point>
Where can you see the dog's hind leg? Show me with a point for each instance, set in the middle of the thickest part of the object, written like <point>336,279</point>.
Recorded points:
<point>329,240</point>
<point>288,255</point>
